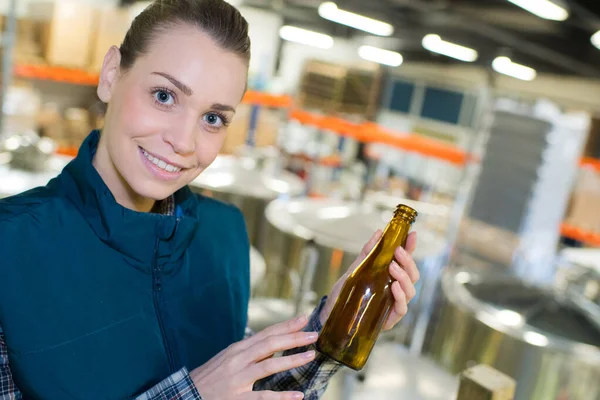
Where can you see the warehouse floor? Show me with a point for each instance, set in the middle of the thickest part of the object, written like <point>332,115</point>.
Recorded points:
<point>393,374</point>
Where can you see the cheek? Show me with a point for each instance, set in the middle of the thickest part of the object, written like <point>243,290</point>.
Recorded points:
<point>208,147</point>
<point>136,116</point>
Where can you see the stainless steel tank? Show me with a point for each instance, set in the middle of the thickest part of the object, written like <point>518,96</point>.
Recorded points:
<point>544,340</point>
<point>250,183</point>
<point>26,162</point>
<point>310,243</point>
<point>339,229</point>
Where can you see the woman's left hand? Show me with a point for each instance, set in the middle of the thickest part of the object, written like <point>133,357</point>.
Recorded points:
<point>403,269</point>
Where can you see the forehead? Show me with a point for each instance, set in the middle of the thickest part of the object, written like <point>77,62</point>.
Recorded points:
<point>193,58</point>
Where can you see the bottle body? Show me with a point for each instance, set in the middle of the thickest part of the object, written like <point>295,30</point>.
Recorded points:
<point>366,299</point>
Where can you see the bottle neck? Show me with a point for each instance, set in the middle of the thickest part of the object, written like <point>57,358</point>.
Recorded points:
<point>395,234</point>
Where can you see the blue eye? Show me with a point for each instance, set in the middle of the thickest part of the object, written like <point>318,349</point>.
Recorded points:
<point>164,97</point>
<point>214,120</point>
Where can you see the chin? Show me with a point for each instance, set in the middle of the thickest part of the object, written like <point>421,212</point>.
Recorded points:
<point>153,190</point>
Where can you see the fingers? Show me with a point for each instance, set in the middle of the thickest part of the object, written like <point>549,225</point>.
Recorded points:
<point>291,326</point>
<point>408,264</point>
<point>272,366</point>
<point>276,343</point>
<point>400,275</point>
<point>370,244</point>
<point>400,307</point>
<point>411,243</point>
<point>269,395</point>
<point>365,251</point>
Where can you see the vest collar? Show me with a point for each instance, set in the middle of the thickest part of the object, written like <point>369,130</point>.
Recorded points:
<point>146,239</point>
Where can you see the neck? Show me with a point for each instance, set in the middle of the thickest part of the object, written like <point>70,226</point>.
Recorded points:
<point>119,188</point>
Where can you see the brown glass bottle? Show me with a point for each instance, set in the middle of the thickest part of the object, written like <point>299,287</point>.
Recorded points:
<point>366,298</point>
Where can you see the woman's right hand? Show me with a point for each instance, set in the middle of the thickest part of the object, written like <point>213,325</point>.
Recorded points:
<point>231,374</point>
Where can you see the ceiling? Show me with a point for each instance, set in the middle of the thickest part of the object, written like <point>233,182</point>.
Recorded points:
<point>492,27</point>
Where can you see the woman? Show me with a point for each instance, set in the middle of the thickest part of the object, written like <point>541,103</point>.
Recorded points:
<point>120,280</point>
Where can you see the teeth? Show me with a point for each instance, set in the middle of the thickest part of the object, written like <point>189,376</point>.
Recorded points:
<point>160,163</point>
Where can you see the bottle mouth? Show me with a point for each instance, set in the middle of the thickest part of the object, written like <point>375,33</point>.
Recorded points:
<point>406,212</point>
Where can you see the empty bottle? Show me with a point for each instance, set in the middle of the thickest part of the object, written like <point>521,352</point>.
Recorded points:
<point>366,299</point>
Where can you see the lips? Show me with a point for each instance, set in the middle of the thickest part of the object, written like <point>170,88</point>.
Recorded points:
<point>162,164</point>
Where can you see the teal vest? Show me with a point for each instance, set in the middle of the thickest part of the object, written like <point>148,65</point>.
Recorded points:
<point>101,302</point>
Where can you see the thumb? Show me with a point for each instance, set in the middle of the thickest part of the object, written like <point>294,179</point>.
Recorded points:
<point>370,244</point>
<point>366,250</point>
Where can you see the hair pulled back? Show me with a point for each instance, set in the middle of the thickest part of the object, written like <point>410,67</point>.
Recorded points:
<point>217,18</point>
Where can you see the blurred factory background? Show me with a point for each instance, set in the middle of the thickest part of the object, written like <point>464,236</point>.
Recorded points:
<point>482,115</point>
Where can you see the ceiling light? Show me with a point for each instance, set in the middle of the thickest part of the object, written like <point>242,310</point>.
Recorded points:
<point>436,44</point>
<point>536,339</point>
<point>303,36</point>
<point>331,12</point>
<point>596,39</point>
<point>504,65</point>
<point>543,8</point>
<point>380,56</point>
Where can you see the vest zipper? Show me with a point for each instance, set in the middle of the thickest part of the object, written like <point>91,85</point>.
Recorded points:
<point>156,289</point>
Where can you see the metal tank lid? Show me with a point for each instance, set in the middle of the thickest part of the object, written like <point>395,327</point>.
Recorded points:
<point>246,176</point>
<point>539,316</point>
<point>341,224</point>
<point>14,181</point>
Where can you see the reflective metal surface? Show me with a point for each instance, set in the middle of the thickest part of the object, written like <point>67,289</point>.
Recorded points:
<point>14,181</point>
<point>249,183</point>
<point>337,230</point>
<point>393,374</point>
<point>548,343</point>
<point>257,267</point>
<point>579,273</point>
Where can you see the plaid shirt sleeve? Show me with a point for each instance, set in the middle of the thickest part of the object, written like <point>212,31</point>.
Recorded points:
<point>178,386</point>
<point>8,390</point>
<point>311,379</point>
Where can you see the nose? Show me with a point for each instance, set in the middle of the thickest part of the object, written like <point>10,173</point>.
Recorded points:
<point>182,137</point>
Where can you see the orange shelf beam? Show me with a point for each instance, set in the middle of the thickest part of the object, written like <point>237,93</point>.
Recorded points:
<point>588,162</point>
<point>67,151</point>
<point>57,74</point>
<point>267,100</point>
<point>581,235</point>
<point>369,132</point>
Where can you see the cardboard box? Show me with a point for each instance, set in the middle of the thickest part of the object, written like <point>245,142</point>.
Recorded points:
<point>110,27</point>
<point>269,121</point>
<point>27,49</point>
<point>66,31</point>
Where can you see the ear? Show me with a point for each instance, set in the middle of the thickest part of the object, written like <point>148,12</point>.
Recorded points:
<point>109,73</point>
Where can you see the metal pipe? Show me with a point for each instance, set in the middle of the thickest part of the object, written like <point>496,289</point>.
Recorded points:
<point>7,59</point>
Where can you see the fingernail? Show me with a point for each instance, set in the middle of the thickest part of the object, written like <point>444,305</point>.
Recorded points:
<point>402,251</point>
<point>396,266</point>
<point>298,396</point>
<point>312,336</point>
<point>309,354</point>
<point>301,318</point>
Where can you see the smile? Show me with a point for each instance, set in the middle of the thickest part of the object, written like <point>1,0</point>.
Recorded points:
<point>160,163</point>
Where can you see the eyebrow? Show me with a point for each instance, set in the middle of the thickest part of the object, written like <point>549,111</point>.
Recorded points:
<point>181,86</point>
<point>222,107</point>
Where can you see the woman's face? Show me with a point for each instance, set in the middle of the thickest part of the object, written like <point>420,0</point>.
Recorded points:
<point>167,116</point>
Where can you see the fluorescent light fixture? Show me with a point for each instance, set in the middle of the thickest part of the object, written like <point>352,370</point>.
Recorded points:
<point>380,56</point>
<point>543,8</point>
<point>504,65</point>
<point>510,318</point>
<point>331,12</point>
<point>436,44</point>
<point>596,39</point>
<point>536,339</point>
<point>303,36</point>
